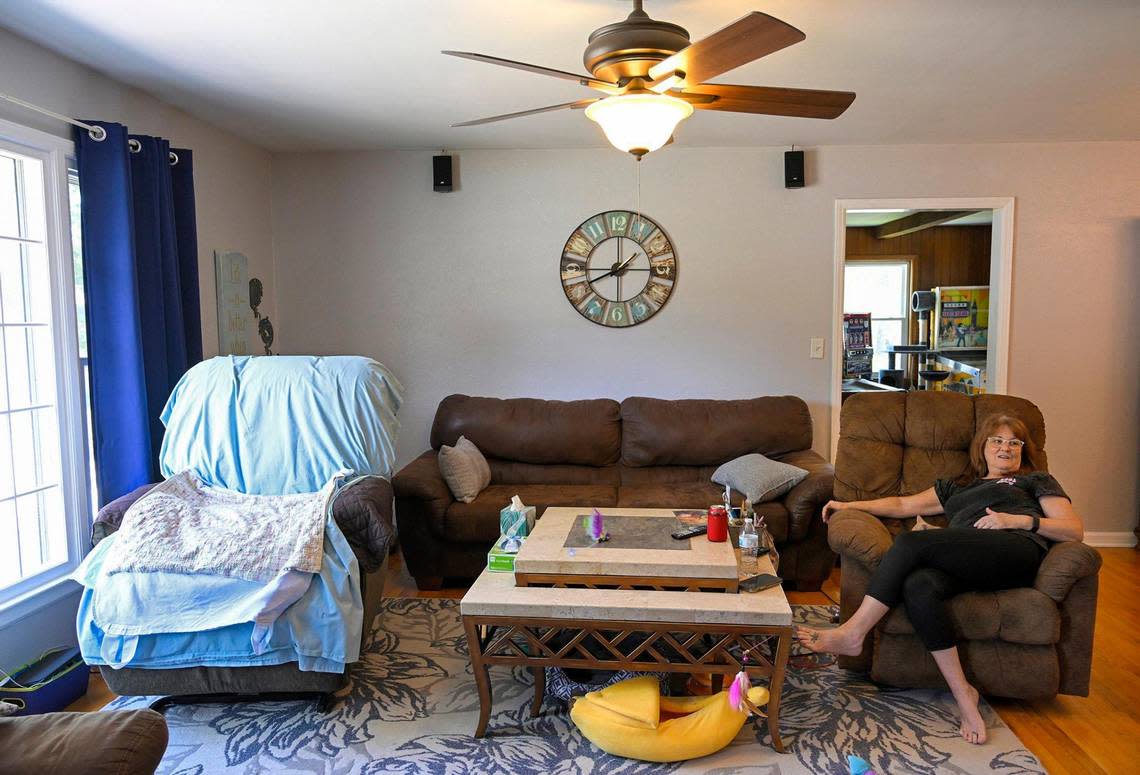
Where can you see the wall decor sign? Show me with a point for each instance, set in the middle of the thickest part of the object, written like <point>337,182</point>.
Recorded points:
<point>234,322</point>
<point>962,315</point>
<point>618,268</point>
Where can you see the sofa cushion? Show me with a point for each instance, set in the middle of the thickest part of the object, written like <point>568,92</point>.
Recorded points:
<point>531,430</point>
<point>121,741</point>
<point>1021,615</point>
<point>708,432</point>
<point>759,478</point>
<point>478,521</point>
<point>650,475</point>
<point>669,495</point>
<point>464,469</point>
<point>512,472</point>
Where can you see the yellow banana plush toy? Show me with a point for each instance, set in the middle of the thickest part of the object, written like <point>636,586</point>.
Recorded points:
<point>625,720</point>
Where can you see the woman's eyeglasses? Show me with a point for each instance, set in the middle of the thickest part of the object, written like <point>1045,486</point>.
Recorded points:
<point>997,441</point>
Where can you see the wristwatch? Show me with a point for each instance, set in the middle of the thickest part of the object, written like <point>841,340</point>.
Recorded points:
<point>1036,524</point>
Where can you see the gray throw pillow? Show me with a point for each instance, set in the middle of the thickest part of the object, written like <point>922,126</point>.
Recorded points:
<point>464,469</point>
<point>759,478</point>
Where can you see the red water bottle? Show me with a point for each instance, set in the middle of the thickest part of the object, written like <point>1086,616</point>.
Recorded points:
<point>717,524</point>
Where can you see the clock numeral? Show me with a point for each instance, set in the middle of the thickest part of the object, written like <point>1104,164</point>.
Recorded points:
<point>658,245</point>
<point>657,292</point>
<point>576,292</point>
<point>617,314</point>
<point>578,245</point>
<point>594,309</point>
<point>618,222</point>
<point>640,228</point>
<point>663,268</point>
<point>595,230</point>
<point>639,309</point>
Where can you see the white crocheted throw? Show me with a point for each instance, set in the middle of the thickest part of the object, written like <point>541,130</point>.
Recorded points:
<point>186,526</point>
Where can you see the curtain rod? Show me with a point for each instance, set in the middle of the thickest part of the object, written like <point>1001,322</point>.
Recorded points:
<point>98,133</point>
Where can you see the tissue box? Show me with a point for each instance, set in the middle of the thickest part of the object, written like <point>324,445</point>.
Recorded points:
<point>509,518</point>
<point>500,561</point>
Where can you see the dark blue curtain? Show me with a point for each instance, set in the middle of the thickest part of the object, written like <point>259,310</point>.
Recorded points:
<point>140,275</point>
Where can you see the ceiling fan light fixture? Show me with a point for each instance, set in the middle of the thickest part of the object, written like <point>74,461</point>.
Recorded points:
<point>639,123</point>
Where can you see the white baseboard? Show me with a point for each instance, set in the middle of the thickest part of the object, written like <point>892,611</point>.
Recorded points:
<point>1124,539</point>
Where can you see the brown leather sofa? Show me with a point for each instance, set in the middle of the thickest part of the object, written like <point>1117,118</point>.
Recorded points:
<point>116,742</point>
<point>640,453</point>
<point>1025,643</point>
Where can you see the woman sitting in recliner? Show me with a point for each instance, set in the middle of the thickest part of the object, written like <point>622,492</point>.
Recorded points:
<point>1003,516</point>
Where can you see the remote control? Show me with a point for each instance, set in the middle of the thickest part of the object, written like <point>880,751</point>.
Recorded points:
<point>690,532</point>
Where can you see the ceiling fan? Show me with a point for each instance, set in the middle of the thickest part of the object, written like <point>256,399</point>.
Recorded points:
<point>654,78</point>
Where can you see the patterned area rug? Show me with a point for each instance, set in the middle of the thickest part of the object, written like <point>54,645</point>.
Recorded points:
<point>411,707</point>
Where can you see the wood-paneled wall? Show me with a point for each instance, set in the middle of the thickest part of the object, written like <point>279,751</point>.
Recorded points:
<point>944,255</point>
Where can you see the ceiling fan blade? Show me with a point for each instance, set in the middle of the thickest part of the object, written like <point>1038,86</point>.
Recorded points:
<point>773,101</point>
<point>748,38</point>
<point>584,80</point>
<point>579,104</point>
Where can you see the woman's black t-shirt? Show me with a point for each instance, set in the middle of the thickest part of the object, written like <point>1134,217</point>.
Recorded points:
<point>965,504</point>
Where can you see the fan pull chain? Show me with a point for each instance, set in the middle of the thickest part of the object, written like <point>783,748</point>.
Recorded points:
<point>638,165</point>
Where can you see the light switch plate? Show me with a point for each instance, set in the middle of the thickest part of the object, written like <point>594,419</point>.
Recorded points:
<point>817,347</point>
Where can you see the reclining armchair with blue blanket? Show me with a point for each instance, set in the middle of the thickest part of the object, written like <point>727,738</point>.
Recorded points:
<point>276,426</point>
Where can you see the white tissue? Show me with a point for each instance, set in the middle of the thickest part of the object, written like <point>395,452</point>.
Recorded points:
<point>517,504</point>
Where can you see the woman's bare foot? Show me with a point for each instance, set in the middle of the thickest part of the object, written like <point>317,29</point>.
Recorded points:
<point>973,728</point>
<point>839,640</point>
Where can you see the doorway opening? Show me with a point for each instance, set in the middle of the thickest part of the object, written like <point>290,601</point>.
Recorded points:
<point>921,296</point>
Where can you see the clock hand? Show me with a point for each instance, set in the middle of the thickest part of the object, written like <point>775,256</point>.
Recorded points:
<point>616,269</point>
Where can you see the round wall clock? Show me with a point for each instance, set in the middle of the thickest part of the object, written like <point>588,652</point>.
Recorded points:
<point>618,268</point>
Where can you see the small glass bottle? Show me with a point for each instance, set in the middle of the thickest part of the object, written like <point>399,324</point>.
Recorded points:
<point>734,515</point>
<point>749,541</point>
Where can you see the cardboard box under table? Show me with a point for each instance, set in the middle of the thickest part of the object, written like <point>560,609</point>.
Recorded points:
<point>640,554</point>
<point>619,608</point>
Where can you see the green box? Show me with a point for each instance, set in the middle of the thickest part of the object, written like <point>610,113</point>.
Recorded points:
<point>500,561</point>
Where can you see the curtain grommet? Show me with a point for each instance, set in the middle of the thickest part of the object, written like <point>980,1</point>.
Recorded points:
<point>98,133</point>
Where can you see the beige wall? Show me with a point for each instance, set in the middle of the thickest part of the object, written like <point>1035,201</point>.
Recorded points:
<point>459,292</point>
<point>231,176</point>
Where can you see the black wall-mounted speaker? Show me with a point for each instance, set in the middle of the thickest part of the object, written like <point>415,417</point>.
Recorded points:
<point>441,173</point>
<point>793,169</point>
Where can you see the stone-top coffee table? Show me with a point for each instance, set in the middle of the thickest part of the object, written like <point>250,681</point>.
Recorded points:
<point>640,554</point>
<point>623,620</point>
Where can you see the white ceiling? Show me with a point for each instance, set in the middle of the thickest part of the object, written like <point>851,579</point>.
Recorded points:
<point>879,217</point>
<point>299,74</point>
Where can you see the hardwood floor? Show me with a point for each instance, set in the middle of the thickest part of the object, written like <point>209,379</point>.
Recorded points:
<point>1071,735</point>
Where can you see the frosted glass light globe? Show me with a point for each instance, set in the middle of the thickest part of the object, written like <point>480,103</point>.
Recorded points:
<point>639,123</point>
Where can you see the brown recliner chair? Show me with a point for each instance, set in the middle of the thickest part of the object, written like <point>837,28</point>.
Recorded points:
<point>1026,643</point>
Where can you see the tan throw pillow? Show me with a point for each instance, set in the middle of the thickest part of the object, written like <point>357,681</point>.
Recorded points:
<point>464,469</point>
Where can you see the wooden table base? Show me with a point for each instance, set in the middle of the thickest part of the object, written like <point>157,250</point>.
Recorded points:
<point>538,643</point>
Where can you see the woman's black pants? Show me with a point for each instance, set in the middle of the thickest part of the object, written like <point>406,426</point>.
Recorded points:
<point>926,568</point>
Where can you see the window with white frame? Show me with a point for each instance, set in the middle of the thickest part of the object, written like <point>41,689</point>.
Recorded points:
<point>881,288</point>
<point>44,503</point>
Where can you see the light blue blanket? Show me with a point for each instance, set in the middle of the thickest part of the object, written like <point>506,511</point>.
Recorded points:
<point>320,631</point>
<point>282,424</point>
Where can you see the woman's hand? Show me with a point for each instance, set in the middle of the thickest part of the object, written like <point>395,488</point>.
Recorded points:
<point>999,520</point>
<point>830,508</point>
